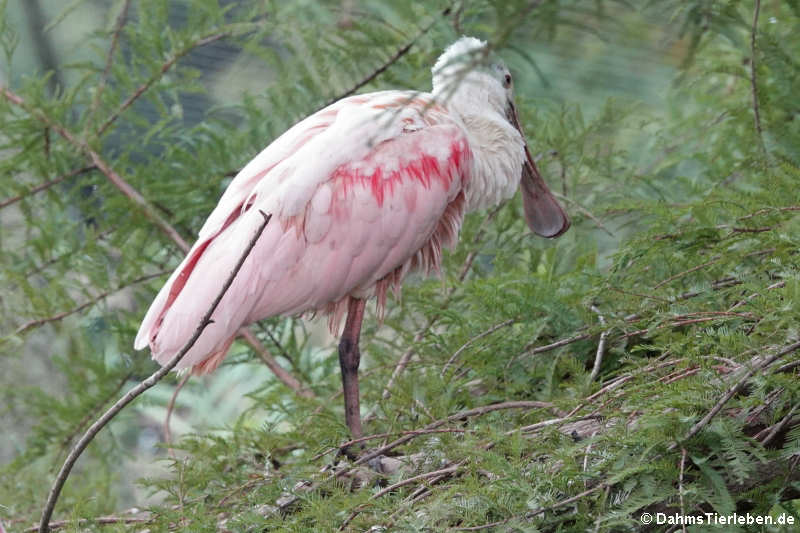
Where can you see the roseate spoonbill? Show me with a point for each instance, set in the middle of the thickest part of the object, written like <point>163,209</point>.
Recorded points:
<point>360,193</point>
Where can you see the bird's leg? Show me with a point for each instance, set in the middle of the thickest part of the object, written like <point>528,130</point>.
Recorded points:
<point>349,358</point>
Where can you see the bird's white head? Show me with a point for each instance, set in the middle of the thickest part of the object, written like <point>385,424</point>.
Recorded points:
<point>467,74</point>
<point>469,80</point>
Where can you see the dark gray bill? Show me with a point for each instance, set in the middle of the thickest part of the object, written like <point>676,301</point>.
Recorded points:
<point>543,213</point>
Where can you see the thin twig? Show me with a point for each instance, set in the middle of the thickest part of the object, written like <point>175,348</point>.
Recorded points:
<point>779,426</point>
<point>753,77</point>
<point>458,416</point>
<point>532,514</point>
<point>583,210</point>
<point>94,429</point>
<point>118,25</point>
<point>472,341</point>
<point>93,411</point>
<point>46,185</point>
<point>681,274</point>
<point>770,210</point>
<point>155,77</point>
<point>601,346</point>
<point>168,416</point>
<point>100,297</point>
<point>282,374</point>
<point>529,350</point>
<point>444,472</point>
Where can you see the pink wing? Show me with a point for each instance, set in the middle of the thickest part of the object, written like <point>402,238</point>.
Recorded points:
<point>360,193</point>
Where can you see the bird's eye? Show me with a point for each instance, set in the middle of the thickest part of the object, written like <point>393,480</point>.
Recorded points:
<point>507,82</point>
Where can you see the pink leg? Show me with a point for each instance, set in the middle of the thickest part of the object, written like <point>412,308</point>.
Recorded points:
<point>349,358</point>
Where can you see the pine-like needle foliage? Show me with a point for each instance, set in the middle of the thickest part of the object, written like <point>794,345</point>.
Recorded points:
<point>644,362</point>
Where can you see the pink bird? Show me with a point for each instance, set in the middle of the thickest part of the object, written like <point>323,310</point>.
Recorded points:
<point>360,194</point>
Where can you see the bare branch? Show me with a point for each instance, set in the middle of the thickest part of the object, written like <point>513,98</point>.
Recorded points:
<point>94,429</point>
<point>777,428</point>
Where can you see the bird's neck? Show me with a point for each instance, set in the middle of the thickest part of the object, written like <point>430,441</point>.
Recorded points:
<point>498,152</point>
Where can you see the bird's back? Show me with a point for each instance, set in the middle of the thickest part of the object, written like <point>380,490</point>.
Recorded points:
<point>360,193</point>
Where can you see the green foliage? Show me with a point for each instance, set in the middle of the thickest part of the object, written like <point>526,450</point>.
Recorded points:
<point>682,263</point>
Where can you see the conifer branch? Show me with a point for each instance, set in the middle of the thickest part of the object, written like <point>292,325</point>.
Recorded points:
<point>472,341</point>
<point>732,391</point>
<point>94,429</point>
<point>165,67</point>
<point>403,50</point>
<point>46,185</point>
<point>168,415</point>
<point>431,321</point>
<point>118,26</point>
<point>126,189</point>
<point>99,163</point>
<point>89,303</point>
